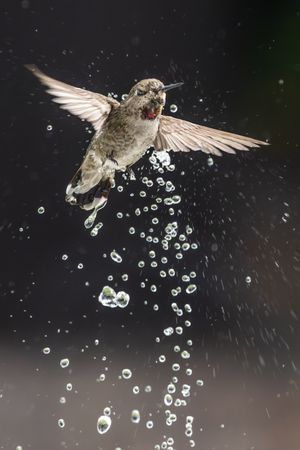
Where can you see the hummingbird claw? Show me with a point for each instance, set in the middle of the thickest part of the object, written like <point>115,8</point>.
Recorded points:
<point>111,158</point>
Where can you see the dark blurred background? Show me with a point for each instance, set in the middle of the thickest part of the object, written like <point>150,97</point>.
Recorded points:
<point>240,63</point>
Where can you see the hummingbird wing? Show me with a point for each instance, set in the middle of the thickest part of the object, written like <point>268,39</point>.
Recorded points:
<point>86,104</point>
<point>182,136</point>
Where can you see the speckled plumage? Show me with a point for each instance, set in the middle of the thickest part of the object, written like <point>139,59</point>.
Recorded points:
<point>124,131</point>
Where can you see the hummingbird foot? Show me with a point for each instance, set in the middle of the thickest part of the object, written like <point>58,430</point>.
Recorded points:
<point>111,158</point>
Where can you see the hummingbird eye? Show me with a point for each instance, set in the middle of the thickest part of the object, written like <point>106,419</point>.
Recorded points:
<point>140,92</point>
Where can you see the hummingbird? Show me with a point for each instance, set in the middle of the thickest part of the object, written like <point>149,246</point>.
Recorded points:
<point>125,130</point>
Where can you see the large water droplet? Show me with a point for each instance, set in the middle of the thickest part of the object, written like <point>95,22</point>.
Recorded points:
<point>108,297</point>
<point>191,288</point>
<point>122,299</point>
<point>116,257</point>
<point>126,373</point>
<point>103,424</point>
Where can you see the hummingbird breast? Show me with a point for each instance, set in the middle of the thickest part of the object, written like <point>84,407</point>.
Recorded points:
<point>125,136</point>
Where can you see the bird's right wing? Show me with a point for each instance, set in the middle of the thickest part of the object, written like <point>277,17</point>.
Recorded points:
<point>85,104</point>
<point>182,136</point>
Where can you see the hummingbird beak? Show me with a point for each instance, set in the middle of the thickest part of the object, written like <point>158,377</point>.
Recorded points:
<point>171,86</point>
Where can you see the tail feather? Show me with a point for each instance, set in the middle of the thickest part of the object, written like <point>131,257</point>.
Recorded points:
<point>89,192</point>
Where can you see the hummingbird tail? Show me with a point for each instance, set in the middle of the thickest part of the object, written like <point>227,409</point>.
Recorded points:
<point>90,192</point>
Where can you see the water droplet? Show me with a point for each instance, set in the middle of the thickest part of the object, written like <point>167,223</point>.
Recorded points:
<point>108,297</point>
<point>171,388</point>
<point>107,411</point>
<point>191,288</point>
<point>185,354</point>
<point>210,161</point>
<point>96,229</point>
<point>149,424</point>
<point>168,331</point>
<point>116,257</point>
<point>173,108</point>
<point>69,387</point>
<point>89,222</point>
<point>122,299</point>
<point>103,424</point>
<point>135,416</point>
<point>101,377</point>
<point>126,374</point>
<point>61,423</point>
<point>64,363</point>
<point>248,279</point>
<point>176,367</point>
<point>49,127</point>
<point>162,358</point>
<point>168,400</point>
<point>41,210</point>
<point>285,217</point>
<point>135,389</point>
<point>64,257</point>
<point>46,350</point>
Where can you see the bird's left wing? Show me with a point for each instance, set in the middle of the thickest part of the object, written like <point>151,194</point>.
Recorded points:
<point>180,135</point>
<point>86,104</point>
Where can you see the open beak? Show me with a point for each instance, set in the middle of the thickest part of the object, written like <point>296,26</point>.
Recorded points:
<point>171,86</point>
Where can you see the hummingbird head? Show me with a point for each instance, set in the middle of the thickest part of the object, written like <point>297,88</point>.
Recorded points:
<point>149,97</point>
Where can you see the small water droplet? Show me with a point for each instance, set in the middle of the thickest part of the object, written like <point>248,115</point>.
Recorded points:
<point>210,161</point>
<point>185,354</point>
<point>64,363</point>
<point>149,424</point>
<point>173,108</point>
<point>41,210</point>
<point>96,229</point>
<point>135,416</point>
<point>107,411</point>
<point>168,331</point>
<point>61,423</point>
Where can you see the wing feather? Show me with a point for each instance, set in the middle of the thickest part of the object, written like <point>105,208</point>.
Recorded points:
<point>85,104</point>
<point>180,135</point>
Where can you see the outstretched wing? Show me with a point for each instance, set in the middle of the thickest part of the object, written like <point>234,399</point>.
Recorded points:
<point>85,104</point>
<point>182,136</point>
